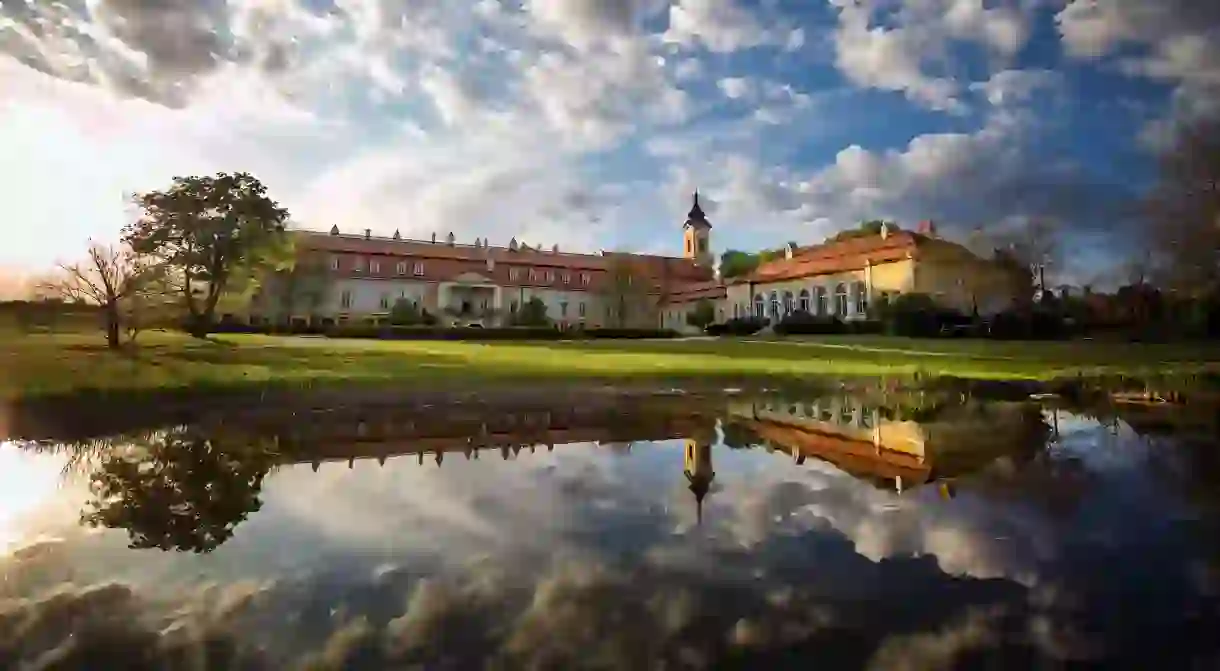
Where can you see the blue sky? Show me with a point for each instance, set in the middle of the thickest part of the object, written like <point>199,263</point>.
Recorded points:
<point>587,123</point>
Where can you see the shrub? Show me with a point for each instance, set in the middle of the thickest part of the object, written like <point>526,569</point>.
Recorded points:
<point>626,333</point>
<point>1032,325</point>
<point>804,323</point>
<point>737,326</point>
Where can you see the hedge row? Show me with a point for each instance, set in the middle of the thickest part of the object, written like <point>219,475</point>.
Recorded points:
<point>441,333</point>
<point>499,333</point>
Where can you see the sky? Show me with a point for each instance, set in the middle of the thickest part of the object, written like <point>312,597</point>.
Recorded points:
<point>588,123</point>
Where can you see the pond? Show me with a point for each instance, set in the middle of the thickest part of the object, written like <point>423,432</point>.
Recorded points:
<point>867,527</point>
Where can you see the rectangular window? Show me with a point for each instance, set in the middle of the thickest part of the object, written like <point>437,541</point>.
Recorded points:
<point>514,274</point>
<point>581,307</point>
<point>512,307</point>
<point>533,275</point>
<point>334,263</point>
<point>567,278</point>
<point>345,299</point>
<point>374,267</point>
<point>359,264</point>
<point>550,276</point>
<point>401,268</point>
<point>385,302</point>
<point>584,278</point>
<point>563,309</point>
<point>418,271</point>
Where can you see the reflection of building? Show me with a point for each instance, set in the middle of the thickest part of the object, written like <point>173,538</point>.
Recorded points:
<point>384,431</point>
<point>698,471</point>
<point>871,443</point>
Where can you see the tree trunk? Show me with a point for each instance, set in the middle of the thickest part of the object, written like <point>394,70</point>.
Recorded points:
<point>113,339</point>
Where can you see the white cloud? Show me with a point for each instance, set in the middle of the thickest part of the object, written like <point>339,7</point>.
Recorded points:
<point>721,26</point>
<point>1014,87</point>
<point>1178,38</point>
<point>900,57</point>
<point>736,87</point>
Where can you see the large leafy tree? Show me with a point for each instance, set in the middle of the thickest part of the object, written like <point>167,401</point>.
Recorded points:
<point>865,229</point>
<point>213,233</point>
<point>735,263</point>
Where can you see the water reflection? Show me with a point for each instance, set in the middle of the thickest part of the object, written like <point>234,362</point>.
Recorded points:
<point>872,528</point>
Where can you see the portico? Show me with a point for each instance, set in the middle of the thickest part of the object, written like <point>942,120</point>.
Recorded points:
<point>470,295</point>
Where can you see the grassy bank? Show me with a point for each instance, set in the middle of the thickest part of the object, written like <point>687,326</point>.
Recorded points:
<point>34,365</point>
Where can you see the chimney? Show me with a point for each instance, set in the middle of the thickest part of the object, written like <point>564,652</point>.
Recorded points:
<point>334,230</point>
<point>554,249</point>
<point>789,250</point>
<point>368,233</point>
<point>928,228</point>
<point>434,237</point>
<point>512,245</point>
<point>450,239</point>
<point>397,235</point>
<point>885,230</point>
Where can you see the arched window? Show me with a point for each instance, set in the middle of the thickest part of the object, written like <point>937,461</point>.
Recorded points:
<point>841,299</point>
<point>787,303</point>
<point>760,306</point>
<point>774,305</point>
<point>819,294</point>
<point>804,302</point>
<point>861,295</point>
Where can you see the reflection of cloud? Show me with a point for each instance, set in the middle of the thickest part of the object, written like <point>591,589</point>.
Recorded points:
<point>966,538</point>
<point>32,501</point>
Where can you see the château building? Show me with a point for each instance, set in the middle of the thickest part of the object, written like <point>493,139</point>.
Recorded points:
<point>363,276</point>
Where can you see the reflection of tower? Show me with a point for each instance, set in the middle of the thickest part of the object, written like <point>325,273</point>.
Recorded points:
<point>699,471</point>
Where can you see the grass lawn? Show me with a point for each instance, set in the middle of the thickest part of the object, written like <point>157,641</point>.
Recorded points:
<point>32,365</point>
<point>56,364</point>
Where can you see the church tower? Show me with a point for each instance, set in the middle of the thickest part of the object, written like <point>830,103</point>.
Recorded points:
<point>697,236</point>
<point>699,471</point>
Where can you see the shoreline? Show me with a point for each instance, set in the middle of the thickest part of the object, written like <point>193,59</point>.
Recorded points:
<point>111,412</point>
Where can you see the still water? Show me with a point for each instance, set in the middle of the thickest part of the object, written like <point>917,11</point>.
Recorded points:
<point>870,529</point>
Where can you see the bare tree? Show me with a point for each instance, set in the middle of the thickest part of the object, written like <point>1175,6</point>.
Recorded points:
<point>1184,209</point>
<point>626,291</point>
<point>1032,243</point>
<point>109,278</point>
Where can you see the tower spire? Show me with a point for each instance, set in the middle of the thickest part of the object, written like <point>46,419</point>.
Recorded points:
<point>696,212</point>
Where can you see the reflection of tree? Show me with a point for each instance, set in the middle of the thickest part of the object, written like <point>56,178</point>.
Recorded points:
<point>178,489</point>
<point>738,437</point>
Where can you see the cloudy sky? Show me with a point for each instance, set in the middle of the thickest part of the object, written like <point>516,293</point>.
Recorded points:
<point>587,123</point>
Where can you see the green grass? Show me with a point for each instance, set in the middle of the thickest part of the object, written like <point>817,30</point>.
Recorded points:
<point>44,364</point>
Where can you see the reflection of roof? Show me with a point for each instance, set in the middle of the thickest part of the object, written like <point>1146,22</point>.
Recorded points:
<point>858,458</point>
<point>342,436</point>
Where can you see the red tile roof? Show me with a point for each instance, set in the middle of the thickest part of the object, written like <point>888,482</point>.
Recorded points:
<point>443,262</point>
<point>844,255</point>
